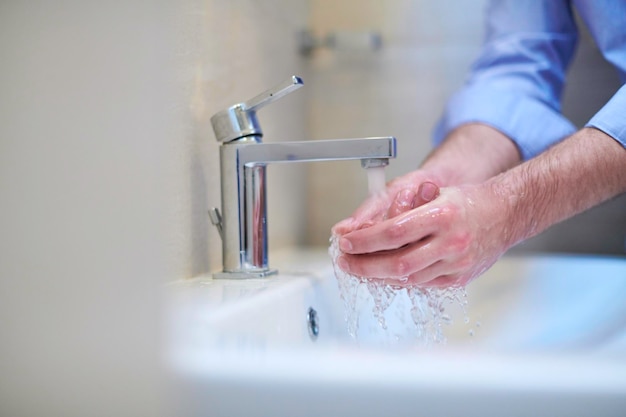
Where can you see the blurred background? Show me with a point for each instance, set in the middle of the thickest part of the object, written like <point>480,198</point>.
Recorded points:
<point>400,90</point>
<point>108,163</point>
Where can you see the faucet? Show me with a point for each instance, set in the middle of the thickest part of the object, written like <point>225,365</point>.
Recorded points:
<point>242,222</point>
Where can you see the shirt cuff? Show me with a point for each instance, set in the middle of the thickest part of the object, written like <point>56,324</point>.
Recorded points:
<point>530,123</point>
<point>611,119</point>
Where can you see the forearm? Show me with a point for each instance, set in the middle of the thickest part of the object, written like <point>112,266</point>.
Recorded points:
<point>580,172</point>
<point>472,153</point>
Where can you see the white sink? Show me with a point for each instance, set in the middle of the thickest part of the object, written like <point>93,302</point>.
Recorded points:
<point>551,342</point>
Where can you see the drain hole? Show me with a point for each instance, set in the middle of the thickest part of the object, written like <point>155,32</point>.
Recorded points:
<point>313,323</point>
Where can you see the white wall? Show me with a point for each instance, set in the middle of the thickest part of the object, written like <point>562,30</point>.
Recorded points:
<point>107,168</point>
<point>398,91</point>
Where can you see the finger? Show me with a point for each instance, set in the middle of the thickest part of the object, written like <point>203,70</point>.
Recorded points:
<point>408,199</point>
<point>446,281</point>
<point>370,210</point>
<point>391,234</point>
<point>401,203</point>
<point>376,206</point>
<point>426,193</point>
<point>439,274</point>
<point>343,227</point>
<point>396,264</point>
<point>348,225</point>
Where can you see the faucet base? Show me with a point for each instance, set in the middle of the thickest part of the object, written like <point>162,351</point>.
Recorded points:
<point>244,274</point>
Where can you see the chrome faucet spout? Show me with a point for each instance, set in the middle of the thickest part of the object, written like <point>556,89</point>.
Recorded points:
<point>243,159</point>
<point>366,149</point>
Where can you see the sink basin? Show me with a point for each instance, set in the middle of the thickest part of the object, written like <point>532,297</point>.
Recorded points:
<point>538,336</point>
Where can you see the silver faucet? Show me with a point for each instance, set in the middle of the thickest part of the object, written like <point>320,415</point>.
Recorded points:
<point>242,223</point>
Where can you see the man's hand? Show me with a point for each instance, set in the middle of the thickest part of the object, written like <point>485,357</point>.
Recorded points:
<point>471,154</point>
<point>448,241</point>
<point>461,233</point>
<point>402,194</point>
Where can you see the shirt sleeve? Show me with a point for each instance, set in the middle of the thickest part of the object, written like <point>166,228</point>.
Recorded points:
<point>611,119</point>
<point>516,83</point>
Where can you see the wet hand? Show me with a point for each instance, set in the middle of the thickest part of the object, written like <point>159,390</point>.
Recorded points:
<point>402,194</point>
<point>448,241</point>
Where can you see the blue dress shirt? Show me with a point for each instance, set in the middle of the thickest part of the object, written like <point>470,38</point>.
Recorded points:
<point>516,83</point>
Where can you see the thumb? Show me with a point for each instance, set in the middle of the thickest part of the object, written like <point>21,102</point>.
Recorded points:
<point>426,193</point>
<point>403,201</point>
<point>408,199</point>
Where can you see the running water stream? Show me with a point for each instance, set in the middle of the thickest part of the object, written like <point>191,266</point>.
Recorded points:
<point>376,180</point>
<point>384,312</point>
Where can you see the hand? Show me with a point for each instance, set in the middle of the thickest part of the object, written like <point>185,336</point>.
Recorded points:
<point>448,241</point>
<point>402,194</point>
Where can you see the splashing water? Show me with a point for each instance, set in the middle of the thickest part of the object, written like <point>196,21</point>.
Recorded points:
<point>380,313</point>
<point>400,313</point>
<point>383,296</point>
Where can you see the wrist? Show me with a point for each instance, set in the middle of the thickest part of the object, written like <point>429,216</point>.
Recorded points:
<point>512,208</point>
<point>472,153</point>
<point>569,178</point>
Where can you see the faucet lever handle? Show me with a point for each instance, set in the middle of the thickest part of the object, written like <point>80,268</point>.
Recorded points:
<point>273,94</point>
<point>240,120</point>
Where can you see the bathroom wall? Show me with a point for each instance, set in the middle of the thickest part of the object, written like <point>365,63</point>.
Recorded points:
<point>85,138</point>
<point>229,51</point>
<point>108,165</point>
<point>400,90</point>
